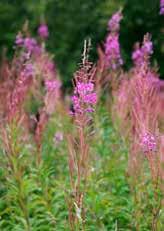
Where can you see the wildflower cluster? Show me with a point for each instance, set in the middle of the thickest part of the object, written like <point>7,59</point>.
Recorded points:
<point>112,52</point>
<point>142,54</point>
<point>114,22</point>
<point>32,50</point>
<point>84,97</point>
<point>52,85</point>
<point>43,31</point>
<point>30,44</point>
<point>148,142</point>
<point>30,90</point>
<point>113,57</point>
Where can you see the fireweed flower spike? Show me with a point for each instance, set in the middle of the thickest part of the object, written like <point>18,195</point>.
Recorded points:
<point>162,7</point>
<point>43,31</point>
<point>141,55</point>
<point>114,22</point>
<point>113,57</point>
<point>112,52</point>
<point>84,100</point>
<point>84,97</point>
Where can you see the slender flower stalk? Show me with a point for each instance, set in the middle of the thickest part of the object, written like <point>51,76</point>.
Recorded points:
<point>110,59</point>
<point>145,131</point>
<point>17,96</point>
<point>84,100</point>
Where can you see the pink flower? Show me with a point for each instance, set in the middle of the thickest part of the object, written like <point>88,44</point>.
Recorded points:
<point>114,22</point>
<point>90,98</point>
<point>76,104</point>
<point>37,50</point>
<point>84,95</point>
<point>142,54</point>
<point>148,142</point>
<point>83,88</point>
<point>52,85</point>
<point>30,44</point>
<point>112,52</point>
<point>43,31</point>
<point>28,70</point>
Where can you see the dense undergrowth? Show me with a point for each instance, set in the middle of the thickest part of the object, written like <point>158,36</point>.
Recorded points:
<point>108,203</point>
<point>43,191</point>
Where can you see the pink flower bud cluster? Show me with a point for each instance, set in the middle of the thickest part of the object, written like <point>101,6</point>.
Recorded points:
<point>43,31</point>
<point>162,7</point>
<point>112,52</point>
<point>148,142</point>
<point>84,98</point>
<point>52,85</point>
<point>29,44</point>
<point>113,57</point>
<point>114,22</point>
<point>142,54</point>
<point>28,70</point>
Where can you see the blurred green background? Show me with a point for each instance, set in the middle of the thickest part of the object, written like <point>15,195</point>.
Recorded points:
<point>71,21</point>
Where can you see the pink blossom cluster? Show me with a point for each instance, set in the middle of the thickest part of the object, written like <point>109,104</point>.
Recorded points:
<point>112,47</point>
<point>114,22</point>
<point>162,7</point>
<point>28,70</point>
<point>84,97</point>
<point>52,85</point>
<point>148,142</point>
<point>112,51</point>
<point>141,54</point>
<point>29,44</point>
<point>43,31</point>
